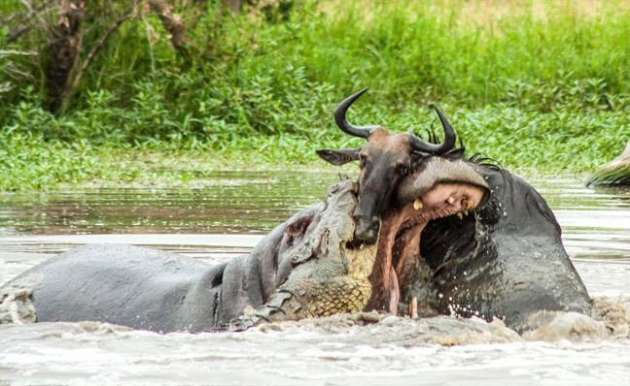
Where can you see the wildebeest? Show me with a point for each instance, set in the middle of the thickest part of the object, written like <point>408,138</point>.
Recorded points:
<point>384,160</point>
<point>456,235</point>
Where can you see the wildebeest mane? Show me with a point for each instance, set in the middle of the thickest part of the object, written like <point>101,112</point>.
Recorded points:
<point>484,161</point>
<point>457,153</point>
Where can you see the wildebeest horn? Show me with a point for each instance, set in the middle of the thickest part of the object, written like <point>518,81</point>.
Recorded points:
<point>449,137</point>
<point>340,117</point>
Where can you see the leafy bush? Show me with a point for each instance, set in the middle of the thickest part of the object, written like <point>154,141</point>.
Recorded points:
<point>552,83</point>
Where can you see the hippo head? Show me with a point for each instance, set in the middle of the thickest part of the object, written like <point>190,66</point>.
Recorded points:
<point>441,189</point>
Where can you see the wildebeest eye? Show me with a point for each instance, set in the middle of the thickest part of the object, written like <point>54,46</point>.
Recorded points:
<point>402,169</point>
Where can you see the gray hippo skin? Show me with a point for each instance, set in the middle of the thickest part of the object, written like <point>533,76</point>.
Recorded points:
<point>504,260</point>
<point>301,269</point>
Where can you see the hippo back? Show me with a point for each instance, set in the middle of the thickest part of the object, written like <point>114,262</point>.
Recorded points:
<point>122,284</point>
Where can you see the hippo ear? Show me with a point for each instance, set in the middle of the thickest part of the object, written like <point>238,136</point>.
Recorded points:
<point>338,157</point>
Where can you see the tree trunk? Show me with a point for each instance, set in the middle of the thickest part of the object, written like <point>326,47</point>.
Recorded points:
<point>64,50</point>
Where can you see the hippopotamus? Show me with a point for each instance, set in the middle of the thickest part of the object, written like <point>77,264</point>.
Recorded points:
<point>455,235</point>
<point>500,256</point>
<point>504,259</point>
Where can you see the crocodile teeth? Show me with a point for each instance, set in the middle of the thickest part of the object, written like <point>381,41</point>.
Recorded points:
<point>417,204</point>
<point>460,215</point>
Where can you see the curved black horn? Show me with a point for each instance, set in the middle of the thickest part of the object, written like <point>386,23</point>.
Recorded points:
<point>340,117</point>
<point>449,137</point>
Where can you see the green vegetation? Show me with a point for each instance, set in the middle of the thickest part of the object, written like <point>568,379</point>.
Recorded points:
<point>535,85</point>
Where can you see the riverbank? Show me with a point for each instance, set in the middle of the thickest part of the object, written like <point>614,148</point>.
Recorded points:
<point>538,143</point>
<point>538,86</point>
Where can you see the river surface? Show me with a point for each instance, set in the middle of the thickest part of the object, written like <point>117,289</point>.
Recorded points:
<point>227,218</point>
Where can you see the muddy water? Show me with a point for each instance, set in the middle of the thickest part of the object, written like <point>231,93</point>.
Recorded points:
<point>226,218</point>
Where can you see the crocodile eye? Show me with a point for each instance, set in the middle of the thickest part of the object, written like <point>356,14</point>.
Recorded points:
<point>362,160</point>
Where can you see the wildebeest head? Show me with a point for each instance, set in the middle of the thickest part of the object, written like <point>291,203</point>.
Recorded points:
<point>384,160</point>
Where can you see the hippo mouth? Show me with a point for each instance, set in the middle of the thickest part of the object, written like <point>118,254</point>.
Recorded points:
<point>426,197</point>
